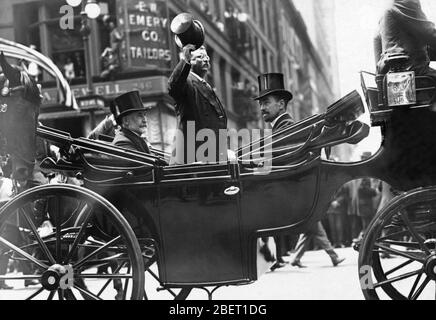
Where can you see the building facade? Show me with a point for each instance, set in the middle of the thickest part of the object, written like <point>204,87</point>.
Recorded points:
<point>244,39</point>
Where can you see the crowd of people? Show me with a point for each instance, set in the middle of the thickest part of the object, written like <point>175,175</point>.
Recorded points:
<point>353,208</point>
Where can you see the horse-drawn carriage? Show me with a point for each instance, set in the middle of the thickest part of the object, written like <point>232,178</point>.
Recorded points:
<point>135,219</point>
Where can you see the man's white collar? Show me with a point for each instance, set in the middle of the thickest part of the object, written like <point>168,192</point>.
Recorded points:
<point>198,77</point>
<point>273,123</point>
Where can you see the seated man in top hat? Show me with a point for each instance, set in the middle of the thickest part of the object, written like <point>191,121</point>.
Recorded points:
<point>273,100</point>
<point>130,115</point>
<point>196,101</point>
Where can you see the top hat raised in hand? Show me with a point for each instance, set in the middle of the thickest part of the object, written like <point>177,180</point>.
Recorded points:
<point>187,31</point>
<point>126,104</point>
<point>272,83</point>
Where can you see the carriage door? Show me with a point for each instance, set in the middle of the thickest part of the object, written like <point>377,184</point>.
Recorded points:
<point>200,226</point>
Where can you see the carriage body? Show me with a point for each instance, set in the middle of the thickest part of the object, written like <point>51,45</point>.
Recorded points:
<point>206,237</point>
<point>204,234</point>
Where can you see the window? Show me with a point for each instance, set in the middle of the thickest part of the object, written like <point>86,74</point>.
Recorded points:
<point>38,24</point>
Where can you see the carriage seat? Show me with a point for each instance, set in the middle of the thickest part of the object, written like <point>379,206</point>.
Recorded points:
<point>108,169</point>
<point>100,168</point>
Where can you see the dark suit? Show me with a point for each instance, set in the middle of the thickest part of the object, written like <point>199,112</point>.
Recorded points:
<point>283,121</point>
<point>129,140</point>
<point>404,28</point>
<point>195,101</point>
<point>284,243</point>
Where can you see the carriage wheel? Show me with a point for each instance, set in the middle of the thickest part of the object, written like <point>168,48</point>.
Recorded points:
<point>397,259</point>
<point>153,289</point>
<point>64,260</point>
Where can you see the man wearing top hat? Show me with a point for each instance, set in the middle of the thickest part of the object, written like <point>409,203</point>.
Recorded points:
<point>273,100</point>
<point>196,101</point>
<point>130,115</point>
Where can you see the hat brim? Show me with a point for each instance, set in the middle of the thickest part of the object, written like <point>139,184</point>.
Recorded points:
<point>127,112</point>
<point>201,40</point>
<point>286,93</point>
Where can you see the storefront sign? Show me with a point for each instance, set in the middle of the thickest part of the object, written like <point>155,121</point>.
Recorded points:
<point>146,29</point>
<point>146,86</point>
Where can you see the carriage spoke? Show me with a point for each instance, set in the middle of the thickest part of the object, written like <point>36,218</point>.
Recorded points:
<point>110,280</point>
<point>37,236</point>
<point>57,214</point>
<point>399,267</point>
<point>415,284</point>
<point>35,294</point>
<point>399,278</point>
<point>392,235</point>
<point>414,233</point>
<point>411,245</point>
<point>104,276</point>
<point>61,294</point>
<point>12,278</point>
<point>74,214</point>
<point>126,284</point>
<point>399,253</point>
<point>88,257</point>
<point>87,293</point>
<point>421,288</point>
<point>22,253</point>
<point>51,295</point>
<point>80,234</point>
<point>69,294</point>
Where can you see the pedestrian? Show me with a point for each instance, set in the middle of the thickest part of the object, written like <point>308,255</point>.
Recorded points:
<point>130,114</point>
<point>367,208</point>
<point>318,234</point>
<point>197,104</point>
<point>273,100</point>
<point>354,220</point>
<point>336,214</point>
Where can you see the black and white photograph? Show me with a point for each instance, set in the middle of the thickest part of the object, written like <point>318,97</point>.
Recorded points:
<point>231,153</point>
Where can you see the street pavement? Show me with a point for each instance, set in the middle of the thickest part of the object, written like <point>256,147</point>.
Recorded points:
<point>319,281</point>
